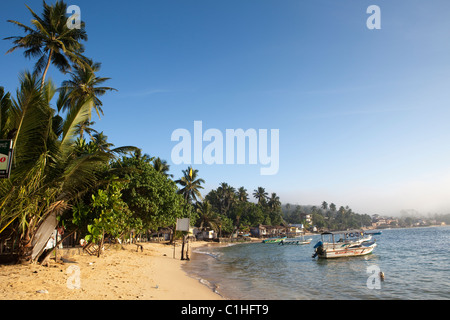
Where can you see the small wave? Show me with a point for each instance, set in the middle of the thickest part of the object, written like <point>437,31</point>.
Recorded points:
<point>213,254</point>
<point>212,286</point>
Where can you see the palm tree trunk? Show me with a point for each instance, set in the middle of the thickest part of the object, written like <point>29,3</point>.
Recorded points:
<point>46,69</point>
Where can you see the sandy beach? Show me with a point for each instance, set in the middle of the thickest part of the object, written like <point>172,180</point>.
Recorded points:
<point>118,274</point>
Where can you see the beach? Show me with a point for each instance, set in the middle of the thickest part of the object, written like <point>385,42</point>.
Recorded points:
<point>152,274</point>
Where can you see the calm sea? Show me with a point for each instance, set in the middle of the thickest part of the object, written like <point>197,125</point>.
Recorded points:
<point>416,264</point>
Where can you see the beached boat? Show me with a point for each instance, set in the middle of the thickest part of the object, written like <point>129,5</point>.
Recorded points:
<point>274,240</point>
<point>343,244</point>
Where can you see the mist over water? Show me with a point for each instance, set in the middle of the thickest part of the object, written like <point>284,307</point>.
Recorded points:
<point>416,264</point>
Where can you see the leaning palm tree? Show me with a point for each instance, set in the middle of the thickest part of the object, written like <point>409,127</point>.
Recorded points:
<point>51,41</point>
<point>48,173</point>
<point>260,194</point>
<point>190,185</point>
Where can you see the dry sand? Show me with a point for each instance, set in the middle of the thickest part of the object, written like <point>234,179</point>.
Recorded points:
<point>118,274</point>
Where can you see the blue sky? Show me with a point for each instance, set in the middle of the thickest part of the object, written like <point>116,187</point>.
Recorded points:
<point>363,114</point>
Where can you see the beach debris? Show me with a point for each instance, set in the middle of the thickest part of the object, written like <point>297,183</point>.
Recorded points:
<point>155,287</point>
<point>42,291</point>
<point>381,275</point>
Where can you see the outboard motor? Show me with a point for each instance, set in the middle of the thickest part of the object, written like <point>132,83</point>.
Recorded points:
<point>318,248</point>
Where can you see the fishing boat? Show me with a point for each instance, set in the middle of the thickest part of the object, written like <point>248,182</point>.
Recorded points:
<point>339,244</point>
<point>296,241</point>
<point>274,240</point>
<point>374,233</point>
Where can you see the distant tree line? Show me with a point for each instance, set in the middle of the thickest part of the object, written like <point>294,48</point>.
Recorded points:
<point>326,216</point>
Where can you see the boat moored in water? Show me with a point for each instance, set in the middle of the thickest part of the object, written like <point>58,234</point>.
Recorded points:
<point>296,241</point>
<point>274,240</point>
<point>339,244</point>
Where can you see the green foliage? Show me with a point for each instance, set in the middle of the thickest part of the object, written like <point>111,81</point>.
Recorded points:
<point>151,195</point>
<point>110,212</point>
<point>233,209</point>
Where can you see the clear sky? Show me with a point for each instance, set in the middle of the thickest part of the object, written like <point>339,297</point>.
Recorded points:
<point>363,115</point>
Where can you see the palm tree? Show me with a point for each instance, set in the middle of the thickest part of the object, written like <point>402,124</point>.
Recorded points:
<point>333,207</point>
<point>261,195</point>
<point>274,202</point>
<point>48,173</point>
<point>190,185</point>
<point>50,40</point>
<point>85,85</point>
<point>207,217</point>
<point>100,139</point>
<point>242,194</point>
<point>227,197</point>
<point>86,126</point>
<point>162,166</point>
<point>142,157</point>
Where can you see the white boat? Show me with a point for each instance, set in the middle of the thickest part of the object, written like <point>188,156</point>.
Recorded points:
<point>296,241</point>
<point>339,244</point>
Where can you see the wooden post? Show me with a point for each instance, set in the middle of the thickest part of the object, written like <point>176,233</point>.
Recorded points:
<point>187,250</point>
<point>182,248</point>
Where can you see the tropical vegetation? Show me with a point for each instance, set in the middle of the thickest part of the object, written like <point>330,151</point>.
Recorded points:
<point>326,216</point>
<point>64,172</point>
<point>67,175</point>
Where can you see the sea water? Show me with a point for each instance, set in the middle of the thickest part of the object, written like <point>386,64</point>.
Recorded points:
<point>415,262</point>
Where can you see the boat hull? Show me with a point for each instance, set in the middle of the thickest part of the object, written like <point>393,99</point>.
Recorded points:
<point>273,240</point>
<point>295,242</point>
<point>346,252</point>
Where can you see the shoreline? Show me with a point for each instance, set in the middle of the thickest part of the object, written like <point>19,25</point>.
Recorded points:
<point>196,255</point>
<point>118,274</point>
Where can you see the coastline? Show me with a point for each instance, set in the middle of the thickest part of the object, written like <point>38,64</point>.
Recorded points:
<point>118,274</point>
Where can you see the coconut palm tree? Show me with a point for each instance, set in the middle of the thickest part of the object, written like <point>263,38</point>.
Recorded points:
<point>48,173</point>
<point>274,202</point>
<point>226,196</point>
<point>101,140</point>
<point>86,126</point>
<point>207,217</point>
<point>162,166</point>
<point>261,195</point>
<point>190,185</point>
<point>242,194</point>
<point>85,85</point>
<point>51,41</point>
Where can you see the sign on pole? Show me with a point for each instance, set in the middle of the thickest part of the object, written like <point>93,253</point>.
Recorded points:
<point>183,224</point>
<point>6,151</point>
